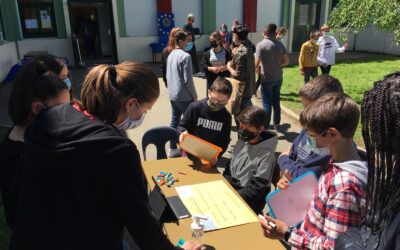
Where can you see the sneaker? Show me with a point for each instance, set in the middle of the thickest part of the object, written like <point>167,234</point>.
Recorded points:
<point>174,152</point>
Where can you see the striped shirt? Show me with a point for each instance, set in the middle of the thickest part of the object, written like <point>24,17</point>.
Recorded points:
<point>217,58</point>
<point>338,205</point>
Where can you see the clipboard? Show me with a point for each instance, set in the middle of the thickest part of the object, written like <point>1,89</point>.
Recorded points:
<point>291,205</point>
<point>200,148</point>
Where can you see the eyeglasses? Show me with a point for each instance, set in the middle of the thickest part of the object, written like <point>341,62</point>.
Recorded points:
<point>216,101</point>
<point>316,136</point>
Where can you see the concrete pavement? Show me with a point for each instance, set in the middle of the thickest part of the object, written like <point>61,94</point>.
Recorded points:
<point>160,115</point>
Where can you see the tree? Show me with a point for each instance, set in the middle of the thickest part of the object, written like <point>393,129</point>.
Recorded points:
<point>352,16</point>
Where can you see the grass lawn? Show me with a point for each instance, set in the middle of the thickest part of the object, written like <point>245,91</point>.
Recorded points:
<point>356,76</point>
<point>4,232</point>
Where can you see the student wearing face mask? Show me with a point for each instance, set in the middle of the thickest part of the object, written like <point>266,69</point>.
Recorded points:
<point>57,66</point>
<point>180,82</point>
<point>328,47</point>
<point>82,180</point>
<point>223,31</point>
<point>253,158</point>
<point>208,118</point>
<point>188,28</point>
<point>281,35</point>
<point>303,155</point>
<point>242,65</point>
<point>214,60</point>
<point>34,89</point>
<point>308,57</point>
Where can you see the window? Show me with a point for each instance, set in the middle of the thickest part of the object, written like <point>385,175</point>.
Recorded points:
<point>37,18</point>
<point>2,32</point>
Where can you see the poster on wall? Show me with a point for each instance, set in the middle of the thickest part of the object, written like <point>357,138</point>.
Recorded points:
<point>45,19</point>
<point>31,24</point>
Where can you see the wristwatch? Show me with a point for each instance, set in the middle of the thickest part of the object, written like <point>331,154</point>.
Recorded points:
<point>287,233</point>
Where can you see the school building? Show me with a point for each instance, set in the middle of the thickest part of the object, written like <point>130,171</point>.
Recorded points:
<point>125,28</point>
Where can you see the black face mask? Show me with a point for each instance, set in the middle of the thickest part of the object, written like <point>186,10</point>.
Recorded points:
<point>246,135</point>
<point>214,44</point>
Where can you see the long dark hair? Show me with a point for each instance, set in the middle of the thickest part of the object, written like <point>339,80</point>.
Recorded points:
<point>33,82</point>
<point>380,116</point>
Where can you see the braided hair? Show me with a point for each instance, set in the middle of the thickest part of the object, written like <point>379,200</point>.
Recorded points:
<point>380,116</point>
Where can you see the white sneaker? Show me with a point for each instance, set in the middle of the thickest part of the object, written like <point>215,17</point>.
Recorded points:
<point>172,153</point>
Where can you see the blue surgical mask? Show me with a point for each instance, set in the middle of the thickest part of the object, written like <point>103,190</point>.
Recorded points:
<point>68,82</point>
<point>129,123</point>
<point>188,46</point>
<point>314,147</point>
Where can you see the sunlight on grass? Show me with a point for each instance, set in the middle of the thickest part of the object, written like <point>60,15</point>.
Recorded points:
<point>356,76</point>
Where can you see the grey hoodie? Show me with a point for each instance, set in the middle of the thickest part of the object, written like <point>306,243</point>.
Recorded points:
<point>357,168</point>
<point>249,161</point>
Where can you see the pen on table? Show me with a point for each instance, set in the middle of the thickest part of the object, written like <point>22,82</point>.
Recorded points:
<point>269,222</point>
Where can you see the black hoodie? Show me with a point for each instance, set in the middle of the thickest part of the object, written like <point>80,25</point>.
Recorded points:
<point>81,183</point>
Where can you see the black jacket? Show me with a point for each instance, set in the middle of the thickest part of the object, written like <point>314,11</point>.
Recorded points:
<point>10,168</point>
<point>205,63</point>
<point>81,183</point>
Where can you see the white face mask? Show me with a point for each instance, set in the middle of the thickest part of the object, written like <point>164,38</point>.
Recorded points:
<point>326,34</point>
<point>129,123</point>
<point>314,147</point>
<point>235,41</point>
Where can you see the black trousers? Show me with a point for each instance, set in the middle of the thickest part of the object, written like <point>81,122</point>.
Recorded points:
<point>325,69</point>
<point>310,72</point>
<point>193,55</point>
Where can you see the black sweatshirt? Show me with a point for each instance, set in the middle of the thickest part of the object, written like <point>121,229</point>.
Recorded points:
<point>10,169</point>
<point>211,126</point>
<point>81,183</point>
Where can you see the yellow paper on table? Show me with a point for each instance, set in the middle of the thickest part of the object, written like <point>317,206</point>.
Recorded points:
<point>222,207</point>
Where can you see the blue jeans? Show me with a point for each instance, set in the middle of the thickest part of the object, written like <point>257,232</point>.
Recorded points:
<point>271,98</point>
<point>178,109</point>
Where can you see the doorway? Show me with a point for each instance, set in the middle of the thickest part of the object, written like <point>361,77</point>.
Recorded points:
<point>306,18</point>
<point>93,34</point>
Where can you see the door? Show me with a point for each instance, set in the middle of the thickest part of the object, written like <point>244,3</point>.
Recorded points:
<point>93,34</point>
<point>306,18</point>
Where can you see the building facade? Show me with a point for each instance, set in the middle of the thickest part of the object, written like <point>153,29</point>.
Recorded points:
<point>121,30</point>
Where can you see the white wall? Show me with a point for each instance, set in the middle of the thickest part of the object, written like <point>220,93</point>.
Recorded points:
<point>55,46</point>
<point>136,48</point>
<point>268,11</point>
<point>8,58</point>
<point>373,40</point>
<point>227,11</point>
<point>141,17</point>
<point>181,8</point>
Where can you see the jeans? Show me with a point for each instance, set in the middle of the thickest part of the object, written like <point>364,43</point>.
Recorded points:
<point>271,98</point>
<point>178,109</point>
<point>310,72</point>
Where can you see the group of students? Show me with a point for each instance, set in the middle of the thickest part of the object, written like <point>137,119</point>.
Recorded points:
<point>356,203</point>
<point>69,176</point>
<point>319,50</point>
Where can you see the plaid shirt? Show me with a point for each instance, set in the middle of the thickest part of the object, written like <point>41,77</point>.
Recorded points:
<point>338,205</point>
